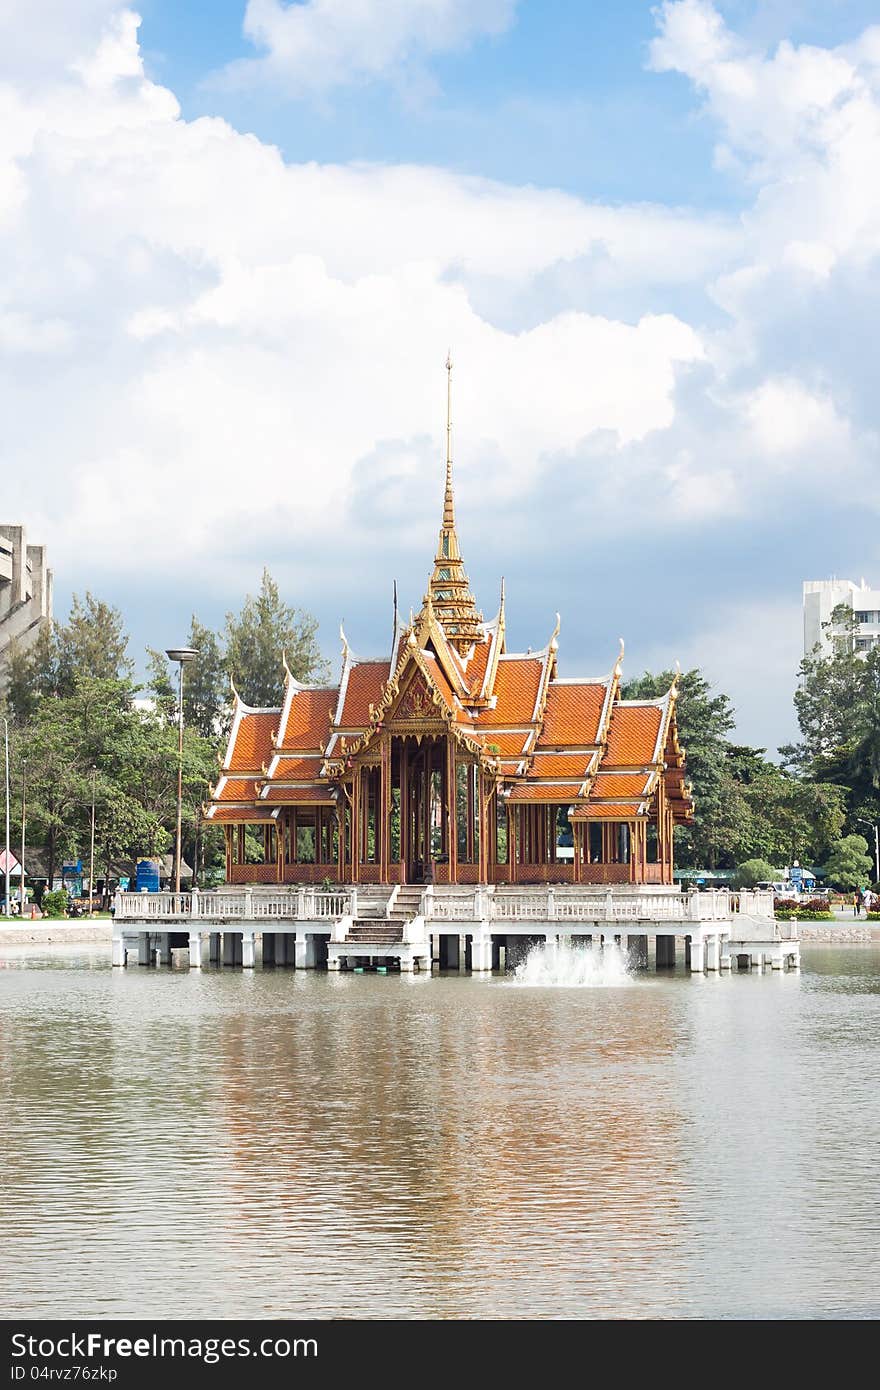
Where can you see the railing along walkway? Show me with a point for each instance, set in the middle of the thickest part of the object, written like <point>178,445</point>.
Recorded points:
<point>481,904</point>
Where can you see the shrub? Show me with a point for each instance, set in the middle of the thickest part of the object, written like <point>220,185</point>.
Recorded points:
<point>802,910</point>
<point>753,871</point>
<point>55,903</point>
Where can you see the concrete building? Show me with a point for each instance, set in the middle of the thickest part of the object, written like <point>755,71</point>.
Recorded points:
<point>822,596</point>
<point>25,591</point>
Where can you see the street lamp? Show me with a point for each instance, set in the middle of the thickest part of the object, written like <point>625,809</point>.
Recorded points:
<point>6,745</point>
<point>181,655</point>
<point>23,815</point>
<point>92,850</point>
<point>876,830</point>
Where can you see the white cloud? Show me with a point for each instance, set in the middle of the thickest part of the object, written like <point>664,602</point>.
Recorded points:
<point>246,355</point>
<point>314,46</point>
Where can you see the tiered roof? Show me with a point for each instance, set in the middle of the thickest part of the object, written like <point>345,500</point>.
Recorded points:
<point>544,738</point>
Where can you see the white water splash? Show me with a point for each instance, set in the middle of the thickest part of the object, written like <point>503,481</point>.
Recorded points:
<point>573,967</point>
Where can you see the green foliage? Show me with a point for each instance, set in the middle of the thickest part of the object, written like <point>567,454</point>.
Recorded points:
<point>753,871</point>
<point>257,638</point>
<point>55,903</point>
<point>746,807</point>
<point>91,643</point>
<point>849,865</point>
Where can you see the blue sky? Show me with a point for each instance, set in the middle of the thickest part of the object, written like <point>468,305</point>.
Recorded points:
<point>236,242</point>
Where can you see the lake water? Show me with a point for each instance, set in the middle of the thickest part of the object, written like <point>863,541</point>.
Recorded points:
<point>284,1144</point>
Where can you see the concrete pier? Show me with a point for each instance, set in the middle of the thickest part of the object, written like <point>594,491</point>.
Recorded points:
<point>455,929</point>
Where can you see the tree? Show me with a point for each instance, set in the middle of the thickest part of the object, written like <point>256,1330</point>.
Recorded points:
<point>849,864</point>
<point>828,698</point>
<point>264,631</point>
<point>91,643</point>
<point>752,872</point>
<point>206,692</point>
<point>704,721</point>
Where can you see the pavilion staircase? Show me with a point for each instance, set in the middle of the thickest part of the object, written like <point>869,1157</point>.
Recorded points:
<point>405,905</point>
<point>375,933</point>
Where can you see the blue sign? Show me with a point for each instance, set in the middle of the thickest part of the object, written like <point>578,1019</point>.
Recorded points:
<point>796,873</point>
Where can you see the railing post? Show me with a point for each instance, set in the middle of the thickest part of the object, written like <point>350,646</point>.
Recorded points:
<point>248,904</point>
<point>551,904</point>
<point>609,906</point>
<point>354,904</point>
<point>428,901</point>
<point>194,902</point>
<point>117,904</point>
<point>300,903</point>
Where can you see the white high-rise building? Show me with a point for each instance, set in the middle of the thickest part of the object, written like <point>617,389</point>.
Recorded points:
<point>25,591</point>
<point>822,596</point>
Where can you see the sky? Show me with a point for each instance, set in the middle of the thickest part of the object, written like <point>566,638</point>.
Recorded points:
<point>238,238</point>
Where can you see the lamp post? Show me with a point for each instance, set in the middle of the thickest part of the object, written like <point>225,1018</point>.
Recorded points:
<point>876,829</point>
<point>92,850</point>
<point>23,818</point>
<point>181,655</point>
<point>6,746</point>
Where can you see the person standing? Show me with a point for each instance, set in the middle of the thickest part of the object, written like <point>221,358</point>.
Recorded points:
<point>857,903</point>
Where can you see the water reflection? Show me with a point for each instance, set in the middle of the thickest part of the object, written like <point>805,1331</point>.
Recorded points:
<point>283,1144</point>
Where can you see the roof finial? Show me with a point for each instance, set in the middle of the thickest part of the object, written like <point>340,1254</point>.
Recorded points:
<point>448,502</point>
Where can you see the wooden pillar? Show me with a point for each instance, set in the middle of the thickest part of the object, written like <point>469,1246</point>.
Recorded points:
<point>279,847</point>
<point>356,825</point>
<point>404,809</point>
<point>450,802</point>
<point>512,838</point>
<point>383,810</point>
<point>577,840</point>
<point>482,812</point>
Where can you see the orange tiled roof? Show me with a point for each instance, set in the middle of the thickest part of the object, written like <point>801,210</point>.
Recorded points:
<point>562,793</point>
<point>604,810</point>
<point>236,789</point>
<point>616,784</point>
<point>476,667</point>
<point>508,745</point>
<point>253,740</point>
<point>296,769</point>
<point>366,682</point>
<point>517,682</point>
<point>549,765</point>
<point>308,723</point>
<point>572,713</point>
<point>237,815</point>
<point>310,792</point>
<point>632,736</point>
<point>438,676</point>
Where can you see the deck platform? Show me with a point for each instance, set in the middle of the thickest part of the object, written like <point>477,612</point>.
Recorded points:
<point>421,929</point>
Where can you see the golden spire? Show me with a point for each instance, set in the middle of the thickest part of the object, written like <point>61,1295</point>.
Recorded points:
<point>449,589</point>
<point>448,499</point>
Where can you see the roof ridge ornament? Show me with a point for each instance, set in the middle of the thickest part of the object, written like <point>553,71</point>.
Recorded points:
<point>453,604</point>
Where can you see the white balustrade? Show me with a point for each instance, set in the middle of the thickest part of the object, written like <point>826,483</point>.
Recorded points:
<point>516,905</point>
<point>225,905</point>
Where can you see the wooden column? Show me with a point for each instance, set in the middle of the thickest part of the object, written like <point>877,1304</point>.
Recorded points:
<point>483,862</point>
<point>356,826</point>
<point>512,837</point>
<point>383,811</point>
<point>450,802</point>
<point>577,840</point>
<point>404,808</point>
<point>279,847</point>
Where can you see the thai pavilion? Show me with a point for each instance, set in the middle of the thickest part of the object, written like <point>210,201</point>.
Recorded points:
<point>452,760</point>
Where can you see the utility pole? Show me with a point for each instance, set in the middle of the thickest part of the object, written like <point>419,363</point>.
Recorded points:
<point>23,820</point>
<point>181,655</point>
<point>92,853</point>
<point>8,853</point>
